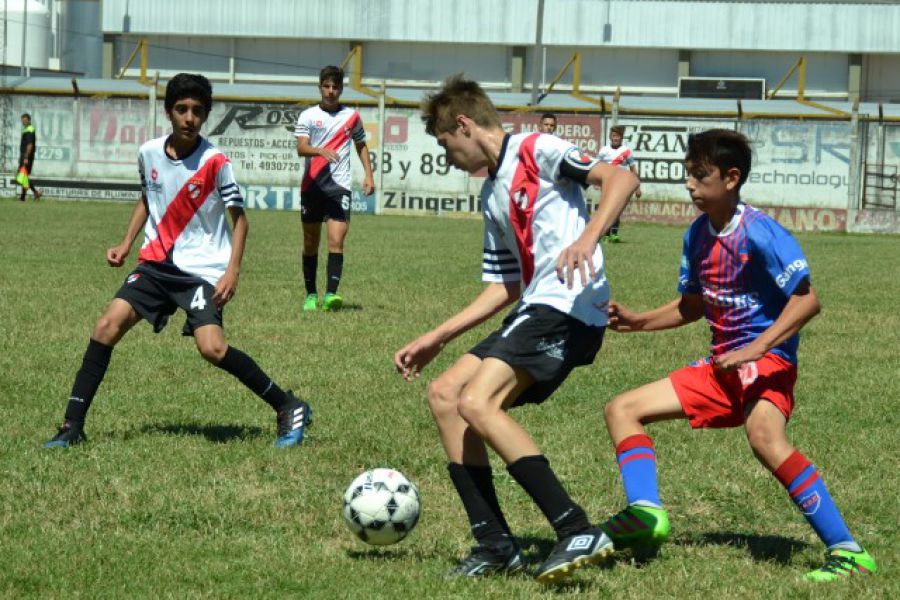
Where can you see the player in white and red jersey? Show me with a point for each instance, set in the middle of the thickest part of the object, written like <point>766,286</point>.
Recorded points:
<point>188,260</point>
<point>325,133</point>
<point>539,248</point>
<point>618,154</point>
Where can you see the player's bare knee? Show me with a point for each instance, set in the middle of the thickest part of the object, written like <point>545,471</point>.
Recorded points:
<point>762,439</point>
<point>213,352</point>
<point>622,409</point>
<point>442,399</point>
<point>473,411</point>
<point>106,330</point>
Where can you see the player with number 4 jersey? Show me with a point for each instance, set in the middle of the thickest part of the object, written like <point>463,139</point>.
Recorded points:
<point>189,260</point>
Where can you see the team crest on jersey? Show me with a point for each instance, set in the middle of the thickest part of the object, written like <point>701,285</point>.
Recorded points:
<point>521,199</point>
<point>154,174</point>
<point>810,504</point>
<point>193,188</point>
<point>318,123</point>
<point>347,131</point>
<point>133,277</point>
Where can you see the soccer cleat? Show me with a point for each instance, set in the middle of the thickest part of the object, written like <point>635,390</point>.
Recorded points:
<point>614,238</point>
<point>70,434</point>
<point>311,303</point>
<point>638,527</point>
<point>485,560</point>
<point>292,423</point>
<point>843,563</point>
<point>589,547</point>
<point>332,302</point>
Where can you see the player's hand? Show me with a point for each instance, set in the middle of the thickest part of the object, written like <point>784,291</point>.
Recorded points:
<point>579,255</point>
<point>225,289</point>
<point>368,186</point>
<point>621,319</point>
<point>412,358</point>
<point>329,155</point>
<point>116,255</point>
<point>737,358</point>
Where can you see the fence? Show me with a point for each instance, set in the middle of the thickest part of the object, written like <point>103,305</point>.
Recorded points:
<point>811,174</point>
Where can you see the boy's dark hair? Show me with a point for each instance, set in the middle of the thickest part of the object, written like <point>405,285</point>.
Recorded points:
<point>620,129</point>
<point>25,116</point>
<point>458,96</point>
<point>188,85</point>
<point>333,74</point>
<point>722,148</point>
<point>548,116</point>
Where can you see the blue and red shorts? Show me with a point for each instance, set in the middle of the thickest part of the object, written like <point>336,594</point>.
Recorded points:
<point>713,398</point>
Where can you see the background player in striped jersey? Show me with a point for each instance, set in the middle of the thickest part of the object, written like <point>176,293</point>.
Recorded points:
<point>535,221</point>
<point>748,276</point>
<point>324,135</point>
<point>188,260</point>
<point>617,153</point>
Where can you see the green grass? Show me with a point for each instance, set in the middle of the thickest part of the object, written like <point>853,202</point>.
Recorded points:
<point>179,492</point>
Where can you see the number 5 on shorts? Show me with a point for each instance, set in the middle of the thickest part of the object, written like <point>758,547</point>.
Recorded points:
<point>198,302</point>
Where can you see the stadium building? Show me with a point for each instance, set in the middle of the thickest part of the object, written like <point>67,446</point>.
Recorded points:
<point>852,49</point>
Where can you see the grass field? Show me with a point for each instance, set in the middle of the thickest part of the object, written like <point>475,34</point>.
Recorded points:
<point>179,492</point>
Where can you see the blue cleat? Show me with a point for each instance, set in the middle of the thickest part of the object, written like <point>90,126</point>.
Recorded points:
<point>70,434</point>
<point>292,423</point>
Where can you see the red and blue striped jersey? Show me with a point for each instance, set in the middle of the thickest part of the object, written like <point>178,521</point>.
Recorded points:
<point>745,274</point>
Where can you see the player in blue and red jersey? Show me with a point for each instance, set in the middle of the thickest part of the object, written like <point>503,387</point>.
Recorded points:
<point>748,276</point>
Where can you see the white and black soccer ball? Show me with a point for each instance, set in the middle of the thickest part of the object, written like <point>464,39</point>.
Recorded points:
<point>381,506</point>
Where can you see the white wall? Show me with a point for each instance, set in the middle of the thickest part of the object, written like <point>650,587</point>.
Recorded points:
<point>434,62</point>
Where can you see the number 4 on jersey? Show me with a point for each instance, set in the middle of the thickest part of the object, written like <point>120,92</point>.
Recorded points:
<point>198,302</point>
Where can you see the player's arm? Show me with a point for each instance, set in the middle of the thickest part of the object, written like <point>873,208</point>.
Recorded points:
<point>369,182</point>
<point>304,148</point>
<point>412,358</point>
<point>686,309</point>
<point>227,284</point>
<point>116,255</point>
<point>801,307</point>
<point>617,185</point>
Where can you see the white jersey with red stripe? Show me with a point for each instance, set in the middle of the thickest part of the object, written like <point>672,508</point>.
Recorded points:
<point>186,201</point>
<point>531,214</point>
<point>335,131</point>
<point>620,157</point>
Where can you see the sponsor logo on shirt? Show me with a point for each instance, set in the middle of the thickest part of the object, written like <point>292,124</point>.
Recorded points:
<point>728,298</point>
<point>785,276</point>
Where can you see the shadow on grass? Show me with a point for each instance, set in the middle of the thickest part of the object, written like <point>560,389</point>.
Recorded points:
<point>220,434</point>
<point>379,554</point>
<point>350,306</point>
<point>764,548</point>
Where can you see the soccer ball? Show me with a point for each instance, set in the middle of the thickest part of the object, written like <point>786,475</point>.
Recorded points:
<point>381,506</point>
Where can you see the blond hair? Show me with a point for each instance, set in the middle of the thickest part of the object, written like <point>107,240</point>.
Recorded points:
<point>458,96</point>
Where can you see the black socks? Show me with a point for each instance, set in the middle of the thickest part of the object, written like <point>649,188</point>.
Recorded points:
<point>536,477</point>
<point>335,270</point>
<point>248,372</point>
<point>87,380</point>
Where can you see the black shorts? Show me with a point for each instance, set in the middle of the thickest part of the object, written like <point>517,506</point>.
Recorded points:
<point>155,295</point>
<point>317,206</point>
<point>546,343</point>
